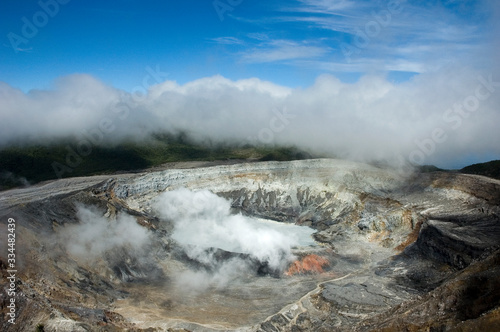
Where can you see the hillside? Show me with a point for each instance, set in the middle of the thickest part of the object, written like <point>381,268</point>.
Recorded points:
<point>28,164</point>
<point>21,165</point>
<point>490,169</point>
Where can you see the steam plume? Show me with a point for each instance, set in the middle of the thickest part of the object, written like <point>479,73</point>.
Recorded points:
<point>95,234</point>
<point>203,221</point>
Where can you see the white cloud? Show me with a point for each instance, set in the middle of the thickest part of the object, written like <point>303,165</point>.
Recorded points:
<point>279,50</point>
<point>388,30</point>
<point>367,119</point>
<point>258,36</point>
<point>363,65</point>
<point>227,41</point>
<point>328,6</point>
<point>396,36</point>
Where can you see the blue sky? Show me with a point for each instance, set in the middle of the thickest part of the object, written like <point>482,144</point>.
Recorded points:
<point>360,79</point>
<point>286,42</point>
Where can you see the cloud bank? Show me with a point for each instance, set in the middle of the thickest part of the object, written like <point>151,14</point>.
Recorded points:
<point>437,118</point>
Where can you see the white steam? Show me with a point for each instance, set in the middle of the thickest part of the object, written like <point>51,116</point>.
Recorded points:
<point>229,272</point>
<point>12,178</point>
<point>203,220</point>
<point>96,234</point>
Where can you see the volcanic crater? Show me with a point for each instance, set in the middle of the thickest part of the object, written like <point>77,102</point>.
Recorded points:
<point>311,245</point>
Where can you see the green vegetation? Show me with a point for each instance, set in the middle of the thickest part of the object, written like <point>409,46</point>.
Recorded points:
<point>491,169</point>
<point>22,164</point>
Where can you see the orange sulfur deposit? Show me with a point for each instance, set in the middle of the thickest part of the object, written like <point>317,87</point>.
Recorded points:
<point>307,264</point>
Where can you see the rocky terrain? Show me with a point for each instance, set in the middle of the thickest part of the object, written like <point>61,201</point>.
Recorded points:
<point>393,250</point>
